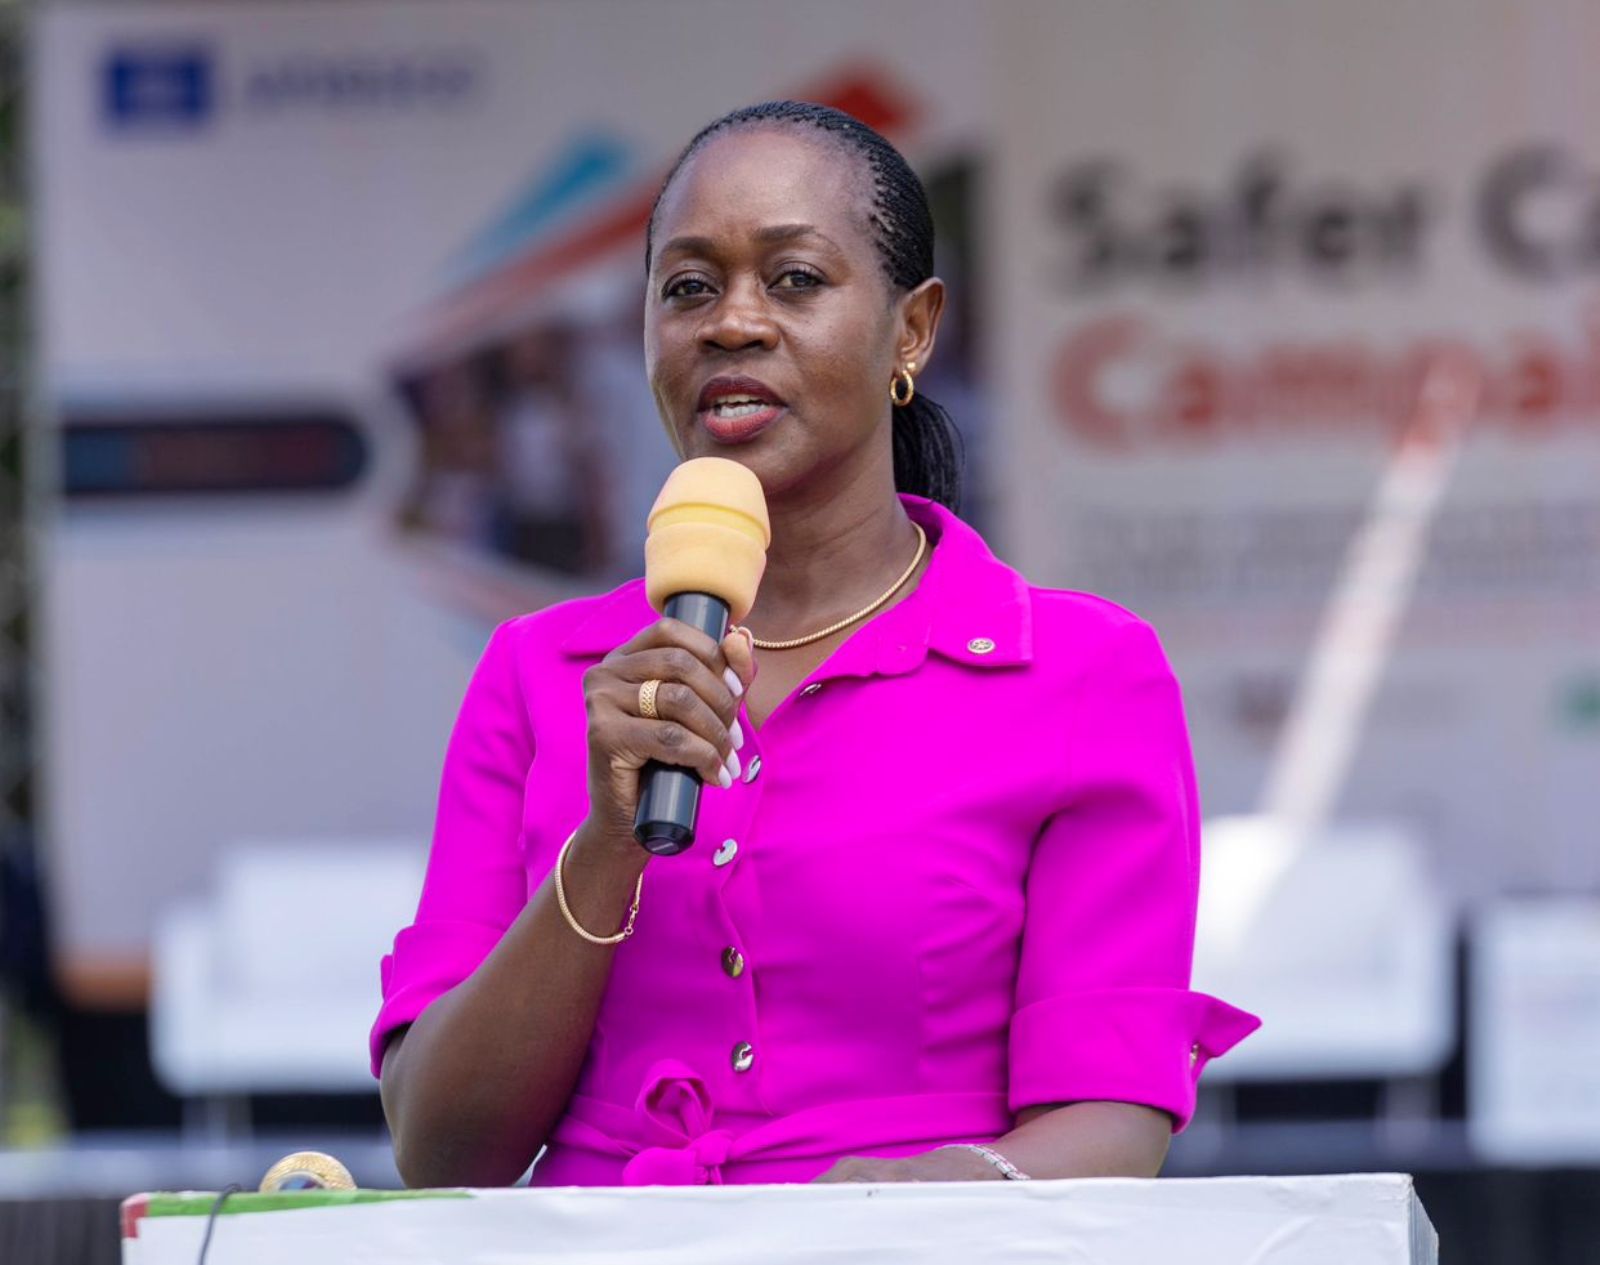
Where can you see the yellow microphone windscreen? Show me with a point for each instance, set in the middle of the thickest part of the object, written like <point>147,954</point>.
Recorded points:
<point>708,534</point>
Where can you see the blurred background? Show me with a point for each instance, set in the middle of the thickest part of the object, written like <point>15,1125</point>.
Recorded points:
<point>320,355</point>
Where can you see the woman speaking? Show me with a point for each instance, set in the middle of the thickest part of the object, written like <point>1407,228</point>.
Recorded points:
<point>939,922</point>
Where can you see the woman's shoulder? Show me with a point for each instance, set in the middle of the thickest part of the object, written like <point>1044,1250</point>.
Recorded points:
<point>1078,628</point>
<point>1081,611</point>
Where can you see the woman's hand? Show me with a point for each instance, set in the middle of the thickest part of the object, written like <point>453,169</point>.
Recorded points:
<point>946,1164</point>
<point>696,727</point>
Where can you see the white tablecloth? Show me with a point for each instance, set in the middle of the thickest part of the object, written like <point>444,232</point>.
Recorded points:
<point>1368,1219</point>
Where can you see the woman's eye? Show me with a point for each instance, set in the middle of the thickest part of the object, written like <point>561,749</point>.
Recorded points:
<point>685,288</point>
<point>797,279</point>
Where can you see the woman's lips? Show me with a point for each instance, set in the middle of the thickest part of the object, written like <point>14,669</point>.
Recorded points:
<point>741,428</point>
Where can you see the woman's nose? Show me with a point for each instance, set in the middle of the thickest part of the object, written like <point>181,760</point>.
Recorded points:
<point>739,319</point>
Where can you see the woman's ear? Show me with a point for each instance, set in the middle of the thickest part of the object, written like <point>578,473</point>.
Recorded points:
<point>920,310</point>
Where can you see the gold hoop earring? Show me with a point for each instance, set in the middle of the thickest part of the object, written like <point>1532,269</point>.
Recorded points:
<point>903,377</point>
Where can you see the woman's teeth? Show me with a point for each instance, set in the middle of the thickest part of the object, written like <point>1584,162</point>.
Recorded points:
<point>738,408</point>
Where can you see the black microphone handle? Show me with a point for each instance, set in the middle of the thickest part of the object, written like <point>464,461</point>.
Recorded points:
<point>669,796</point>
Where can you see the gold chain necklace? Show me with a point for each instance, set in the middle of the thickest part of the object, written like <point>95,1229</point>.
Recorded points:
<point>922,545</point>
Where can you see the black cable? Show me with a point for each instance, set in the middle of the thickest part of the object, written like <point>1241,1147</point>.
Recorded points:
<point>233,1188</point>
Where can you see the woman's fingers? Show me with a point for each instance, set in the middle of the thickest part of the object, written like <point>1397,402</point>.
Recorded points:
<point>675,666</point>
<point>867,1168</point>
<point>695,725</point>
<point>670,649</point>
<point>667,632</point>
<point>668,742</point>
<point>683,705</point>
<point>696,702</point>
<point>700,686</point>
<point>852,1168</point>
<point>738,648</point>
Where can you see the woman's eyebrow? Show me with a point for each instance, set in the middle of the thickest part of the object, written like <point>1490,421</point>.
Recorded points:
<point>689,246</point>
<point>777,234</point>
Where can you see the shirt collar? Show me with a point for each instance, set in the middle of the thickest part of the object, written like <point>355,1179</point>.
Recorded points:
<point>969,607</point>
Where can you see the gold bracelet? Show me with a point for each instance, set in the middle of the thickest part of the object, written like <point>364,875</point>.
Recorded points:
<point>566,912</point>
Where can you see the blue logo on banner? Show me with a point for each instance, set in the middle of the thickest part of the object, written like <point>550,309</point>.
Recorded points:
<point>159,86</point>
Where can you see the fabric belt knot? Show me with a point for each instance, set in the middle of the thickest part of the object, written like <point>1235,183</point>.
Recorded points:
<point>674,1113</point>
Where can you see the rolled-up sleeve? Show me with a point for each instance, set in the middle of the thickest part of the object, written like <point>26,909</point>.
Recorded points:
<point>1103,1007</point>
<point>475,884</point>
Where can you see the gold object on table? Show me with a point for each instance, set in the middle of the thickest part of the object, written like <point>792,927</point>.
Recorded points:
<point>307,1170</point>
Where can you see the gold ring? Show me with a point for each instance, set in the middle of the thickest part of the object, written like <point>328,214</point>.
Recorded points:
<point>647,699</point>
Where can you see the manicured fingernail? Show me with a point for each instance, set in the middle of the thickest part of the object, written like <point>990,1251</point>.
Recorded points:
<point>724,778</point>
<point>735,685</point>
<point>738,737</point>
<point>733,763</point>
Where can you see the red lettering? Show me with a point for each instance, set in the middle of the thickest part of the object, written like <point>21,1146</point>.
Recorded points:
<point>1084,358</point>
<point>1192,392</point>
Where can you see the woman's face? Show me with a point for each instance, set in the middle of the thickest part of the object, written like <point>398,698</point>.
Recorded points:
<point>771,332</point>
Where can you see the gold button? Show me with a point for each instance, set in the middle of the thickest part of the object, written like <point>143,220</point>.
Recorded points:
<point>733,962</point>
<point>753,769</point>
<point>1194,1055</point>
<point>744,1054</point>
<point>810,689</point>
<point>980,645</point>
<point>725,853</point>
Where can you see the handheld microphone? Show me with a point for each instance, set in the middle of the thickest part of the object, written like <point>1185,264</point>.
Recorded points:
<point>703,560</point>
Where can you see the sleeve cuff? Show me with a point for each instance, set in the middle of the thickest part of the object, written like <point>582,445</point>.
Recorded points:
<point>428,961</point>
<point>1139,1045</point>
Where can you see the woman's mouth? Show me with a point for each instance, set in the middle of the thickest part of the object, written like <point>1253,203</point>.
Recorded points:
<point>735,410</point>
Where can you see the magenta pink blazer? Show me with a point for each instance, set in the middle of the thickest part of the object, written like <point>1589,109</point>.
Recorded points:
<point>958,878</point>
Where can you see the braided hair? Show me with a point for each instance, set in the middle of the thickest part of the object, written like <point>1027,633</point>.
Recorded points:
<point>927,446</point>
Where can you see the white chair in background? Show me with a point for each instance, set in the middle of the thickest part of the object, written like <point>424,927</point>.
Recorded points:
<point>1348,958</point>
<point>1533,1081</point>
<point>270,984</point>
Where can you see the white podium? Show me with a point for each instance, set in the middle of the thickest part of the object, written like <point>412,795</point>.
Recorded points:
<point>1373,1219</point>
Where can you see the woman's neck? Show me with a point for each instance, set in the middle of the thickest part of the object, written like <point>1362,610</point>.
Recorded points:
<point>828,558</point>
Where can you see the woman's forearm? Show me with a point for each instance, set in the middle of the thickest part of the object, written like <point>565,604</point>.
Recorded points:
<point>1089,1139</point>
<point>472,1089</point>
